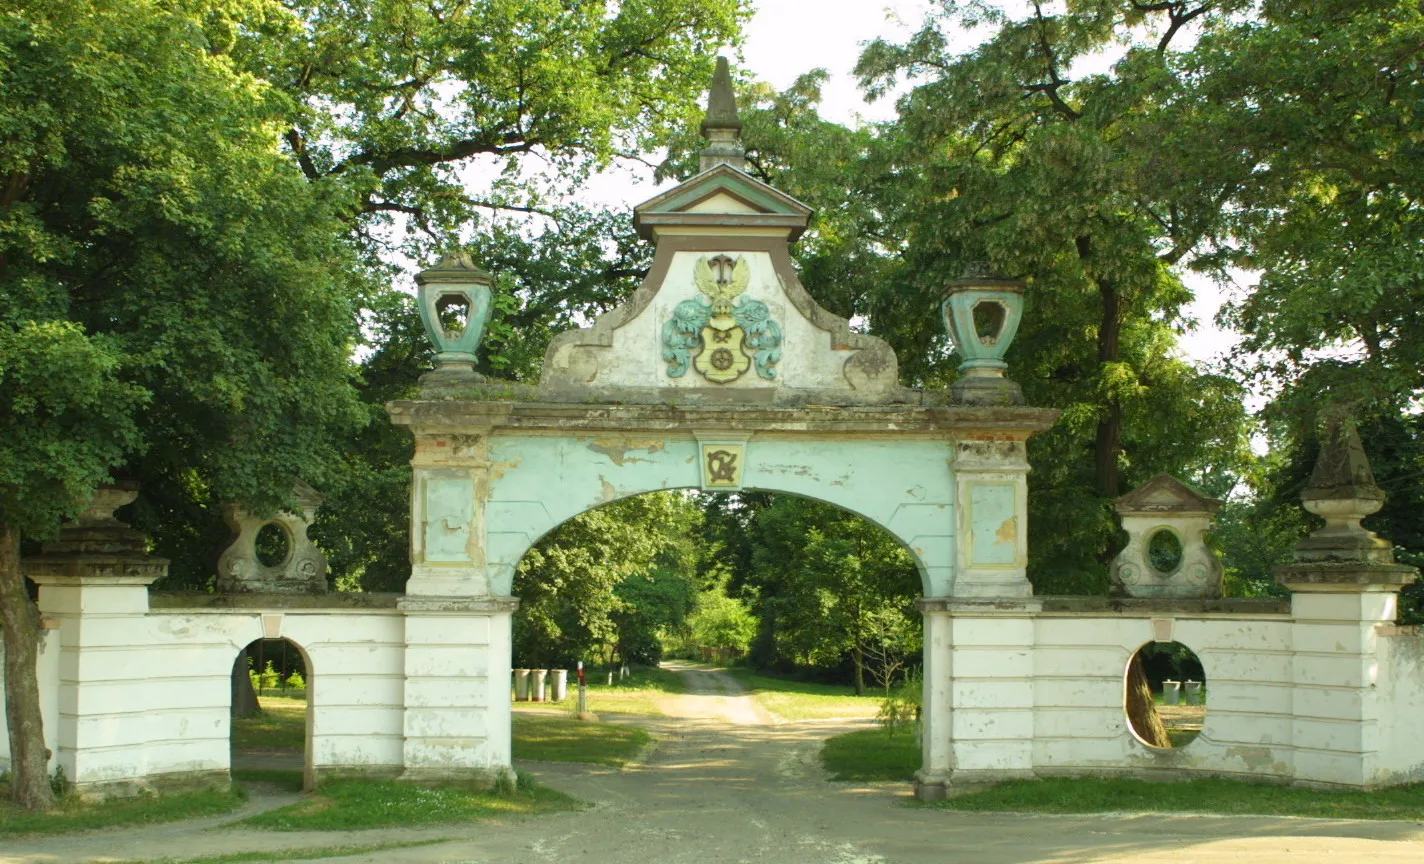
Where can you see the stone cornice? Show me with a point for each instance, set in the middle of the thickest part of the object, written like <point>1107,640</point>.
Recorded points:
<point>434,417</point>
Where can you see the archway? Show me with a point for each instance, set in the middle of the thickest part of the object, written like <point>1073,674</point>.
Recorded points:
<point>826,600</point>
<point>271,731</point>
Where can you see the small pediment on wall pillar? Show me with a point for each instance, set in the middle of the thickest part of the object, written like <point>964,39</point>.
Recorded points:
<point>721,317</point>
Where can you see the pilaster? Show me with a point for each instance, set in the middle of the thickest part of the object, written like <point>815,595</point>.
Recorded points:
<point>991,479</point>
<point>447,513</point>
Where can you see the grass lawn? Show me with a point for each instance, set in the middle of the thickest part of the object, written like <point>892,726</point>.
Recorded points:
<point>76,815</point>
<point>642,692</point>
<point>872,754</point>
<point>281,725</point>
<point>802,700</point>
<point>562,738</point>
<point>354,805</point>
<point>1208,795</point>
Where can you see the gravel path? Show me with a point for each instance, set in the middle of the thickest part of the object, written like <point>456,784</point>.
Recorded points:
<point>725,785</point>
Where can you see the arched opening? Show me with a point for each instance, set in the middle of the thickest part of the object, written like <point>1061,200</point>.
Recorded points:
<point>271,713</point>
<point>780,609</point>
<point>1165,693</point>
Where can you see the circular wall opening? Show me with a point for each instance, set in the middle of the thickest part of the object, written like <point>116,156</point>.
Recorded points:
<point>1164,551</point>
<point>272,545</point>
<point>1165,695</point>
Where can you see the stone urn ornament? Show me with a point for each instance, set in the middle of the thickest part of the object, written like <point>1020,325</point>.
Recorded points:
<point>982,314</point>
<point>454,298</point>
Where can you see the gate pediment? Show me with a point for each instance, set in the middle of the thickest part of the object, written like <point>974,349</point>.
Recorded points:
<point>721,316</point>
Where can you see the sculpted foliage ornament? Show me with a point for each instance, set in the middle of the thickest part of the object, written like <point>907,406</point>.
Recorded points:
<point>729,332</point>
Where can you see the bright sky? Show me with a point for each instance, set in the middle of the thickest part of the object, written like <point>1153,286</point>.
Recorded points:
<point>789,37</point>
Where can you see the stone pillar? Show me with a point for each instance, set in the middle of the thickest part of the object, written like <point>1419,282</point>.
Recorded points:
<point>94,586</point>
<point>1345,585</point>
<point>991,487</point>
<point>447,514</point>
<point>457,668</point>
<point>978,693</point>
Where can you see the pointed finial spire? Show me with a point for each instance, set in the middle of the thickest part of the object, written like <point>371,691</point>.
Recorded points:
<point>721,126</point>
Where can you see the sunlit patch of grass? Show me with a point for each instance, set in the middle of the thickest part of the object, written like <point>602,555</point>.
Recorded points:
<point>643,692</point>
<point>280,725</point>
<point>563,738</point>
<point>1207,795</point>
<point>804,700</point>
<point>872,754</point>
<point>304,853</point>
<point>354,805</point>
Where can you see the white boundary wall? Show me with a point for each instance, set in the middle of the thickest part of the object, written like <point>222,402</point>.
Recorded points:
<point>1324,694</point>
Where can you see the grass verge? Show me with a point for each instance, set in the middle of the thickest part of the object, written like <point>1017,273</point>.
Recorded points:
<point>354,805</point>
<point>561,738</point>
<point>304,853</point>
<point>871,754</point>
<point>74,814</point>
<point>1208,795</point>
<point>280,725</point>
<point>804,700</point>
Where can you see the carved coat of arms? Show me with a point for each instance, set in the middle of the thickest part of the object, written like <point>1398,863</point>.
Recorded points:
<point>721,333</point>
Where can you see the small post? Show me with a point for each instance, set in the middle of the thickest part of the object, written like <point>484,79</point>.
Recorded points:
<point>583,712</point>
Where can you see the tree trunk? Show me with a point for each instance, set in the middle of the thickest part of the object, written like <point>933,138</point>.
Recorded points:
<point>29,760</point>
<point>1141,711</point>
<point>859,657</point>
<point>1109,437</point>
<point>244,698</point>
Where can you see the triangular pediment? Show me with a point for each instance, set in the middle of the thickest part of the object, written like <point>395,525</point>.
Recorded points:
<point>1165,493</point>
<point>722,196</point>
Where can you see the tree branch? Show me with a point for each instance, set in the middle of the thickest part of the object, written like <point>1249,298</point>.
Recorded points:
<point>299,149</point>
<point>1051,60</point>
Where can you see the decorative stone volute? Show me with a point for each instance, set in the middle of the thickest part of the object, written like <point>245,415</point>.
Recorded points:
<point>97,548</point>
<point>982,314</point>
<point>1343,556</point>
<point>722,127</point>
<point>1166,554</point>
<point>292,566</point>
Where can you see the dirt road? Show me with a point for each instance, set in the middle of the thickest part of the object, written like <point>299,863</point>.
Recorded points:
<point>726,786</point>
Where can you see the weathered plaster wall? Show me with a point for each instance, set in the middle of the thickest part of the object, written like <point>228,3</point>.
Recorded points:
<point>1080,664</point>
<point>538,482</point>
<point>1401,695</point>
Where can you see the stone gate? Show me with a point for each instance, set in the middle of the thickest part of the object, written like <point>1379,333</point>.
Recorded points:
<point>722,373</point>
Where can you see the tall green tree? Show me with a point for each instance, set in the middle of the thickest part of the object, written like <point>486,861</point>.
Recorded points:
<point>178,300</point>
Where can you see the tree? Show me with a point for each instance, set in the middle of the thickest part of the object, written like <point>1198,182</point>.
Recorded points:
<point>389,98</point>
<point>721,623</point>
<point>573,584</point>
<point>68,419</point>
<point>830,584</point>
<point>179,300</point>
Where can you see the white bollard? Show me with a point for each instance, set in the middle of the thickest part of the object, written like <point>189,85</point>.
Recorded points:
<point>1193,691</point>
<point>1171,692</point>
<point>539,675</point>
<point>559,684</point>
<point>521,685</point>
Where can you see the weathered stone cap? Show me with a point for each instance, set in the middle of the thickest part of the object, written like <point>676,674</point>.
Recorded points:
<point>1166,494</point>
<point>1342,470</point>
<point>721,101</point>
<point>454,267</point>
